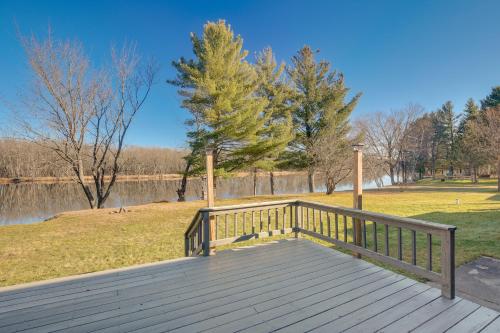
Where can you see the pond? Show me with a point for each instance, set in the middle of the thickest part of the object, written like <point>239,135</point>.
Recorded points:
<point>26,203</point>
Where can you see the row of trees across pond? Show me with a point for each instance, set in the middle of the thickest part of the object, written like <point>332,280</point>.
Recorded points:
<point>25,159</point>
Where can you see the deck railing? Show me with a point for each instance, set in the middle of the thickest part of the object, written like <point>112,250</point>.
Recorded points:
<point>381,237</point>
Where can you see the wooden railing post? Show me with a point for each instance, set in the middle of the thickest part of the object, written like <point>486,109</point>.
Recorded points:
<point>210,194</point>
<point>206,233</point>
<point>448,263</point>
<point>357,191</point>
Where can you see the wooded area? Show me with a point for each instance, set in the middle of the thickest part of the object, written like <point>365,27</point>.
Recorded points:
<point>409,144</point>
<point>19,158</point>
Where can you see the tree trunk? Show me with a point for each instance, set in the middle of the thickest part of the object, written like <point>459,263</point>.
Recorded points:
<point>391,174</point>
<point>330,185</point>
<point>433,168</point>
<point>271,182</point>
<point>254,182</point>
<point>181,191</point>
<point>474,174</point>
<point>498,174</point>
<point>78,168</point>
<point>310,180</point>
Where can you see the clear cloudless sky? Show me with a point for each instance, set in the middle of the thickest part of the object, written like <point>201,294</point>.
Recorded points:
<point>395,52</point>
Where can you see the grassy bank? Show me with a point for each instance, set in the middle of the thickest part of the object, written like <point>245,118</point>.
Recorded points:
<point>89,241</point>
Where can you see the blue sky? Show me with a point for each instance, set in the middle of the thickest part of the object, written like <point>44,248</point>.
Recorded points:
<point>395,52</point>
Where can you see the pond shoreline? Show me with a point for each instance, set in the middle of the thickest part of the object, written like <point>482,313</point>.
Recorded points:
<point>169,176</point>
<point>30,202</point>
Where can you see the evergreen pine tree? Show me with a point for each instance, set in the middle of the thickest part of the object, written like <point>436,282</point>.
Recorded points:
<point>492,100</point>
<point>448,134</point>
<point>471,111</point>
<point>319,104</point>
<point>218,88</point>
<point>468,155</point>
<point>276,131</point>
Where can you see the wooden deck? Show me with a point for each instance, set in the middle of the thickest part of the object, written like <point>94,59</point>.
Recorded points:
<point>287,286</point>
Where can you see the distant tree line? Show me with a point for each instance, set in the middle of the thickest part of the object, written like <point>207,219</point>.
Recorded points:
<point>409,144</point>
<point>262,115</point>
<point>20,158</point>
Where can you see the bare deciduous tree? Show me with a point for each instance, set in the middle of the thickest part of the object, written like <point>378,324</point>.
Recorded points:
<point>81,114</point>
<point>387,136</point>
<point>488,125</point>
<point>333,159</point>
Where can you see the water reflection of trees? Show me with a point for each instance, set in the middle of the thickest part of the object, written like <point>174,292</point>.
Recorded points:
<point>31,202</point>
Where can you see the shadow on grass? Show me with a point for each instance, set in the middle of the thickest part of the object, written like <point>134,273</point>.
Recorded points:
<point>495,197</point>
<point>478,232</point>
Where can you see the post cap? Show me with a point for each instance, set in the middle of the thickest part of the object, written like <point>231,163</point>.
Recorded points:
<point>357,146</point>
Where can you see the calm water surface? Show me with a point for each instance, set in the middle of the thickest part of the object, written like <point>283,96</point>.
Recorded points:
<point>28,202</point>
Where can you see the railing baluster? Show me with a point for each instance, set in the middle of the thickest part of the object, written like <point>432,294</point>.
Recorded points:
<point>386,236</point>
<point>298,219</point>
<point>284,219</point>
<point>216,227</point>
<point>206,232</point>
<point>353,224</point>
<point>314,219</point>
<point>345,229</point>
<point>276,219</point>
<point>413,247</point>
<point>235,222</point>
<point>260,221</point>
<point>307,218</point>
<point>320,222</point>
<point>364,233</point>
<point>268,220</point>
<point>329,225</point>
<point>400,244</point>
<point>244,223</point>
<point>375,245</point>
<point>200,231</point>
<point>336,226</point>
<point>429,252</point>
<point>226,227</point>
<point>253,222</point>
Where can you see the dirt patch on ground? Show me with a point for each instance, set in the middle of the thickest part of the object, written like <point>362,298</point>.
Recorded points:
<point>480,281</point>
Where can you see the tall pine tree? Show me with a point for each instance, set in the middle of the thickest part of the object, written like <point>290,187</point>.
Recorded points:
<point>471,111</point>
<point>492,100</point>
<point>319,105</point>
<point>219,88</point>
<point>448,132</point>
<point>276,131</point>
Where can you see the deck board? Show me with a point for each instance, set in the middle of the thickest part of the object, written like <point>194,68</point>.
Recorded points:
<point>287,286</point>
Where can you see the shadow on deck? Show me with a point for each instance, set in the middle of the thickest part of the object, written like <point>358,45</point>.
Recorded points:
<point>289,285</point>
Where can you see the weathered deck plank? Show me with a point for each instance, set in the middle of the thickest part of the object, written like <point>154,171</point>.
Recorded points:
<point>290,285</point>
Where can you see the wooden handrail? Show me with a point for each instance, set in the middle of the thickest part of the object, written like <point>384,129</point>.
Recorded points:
<point>194,221</point>
<point>251,205</point>
<point>255,220</point>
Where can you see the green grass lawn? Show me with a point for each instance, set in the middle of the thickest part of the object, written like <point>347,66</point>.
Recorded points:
<point>89,241</point>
